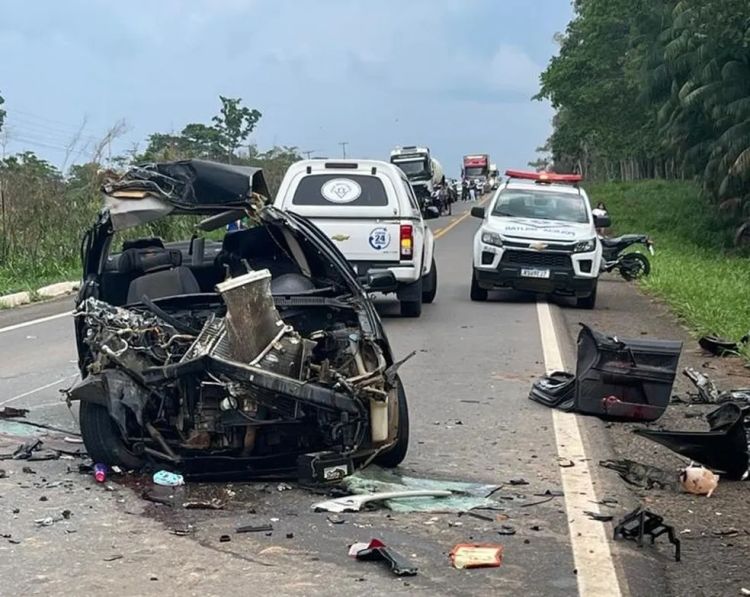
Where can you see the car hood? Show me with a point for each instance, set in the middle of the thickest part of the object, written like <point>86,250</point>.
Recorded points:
<point>529,228</point>
<point>152,191</point>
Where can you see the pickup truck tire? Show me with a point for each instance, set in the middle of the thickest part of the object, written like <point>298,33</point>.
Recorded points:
<point>477,293</point>
<point>430,285</point>
<point>587,302</point>
<point>102,438</point>
<point>396,453</point>
<point>410,296</point>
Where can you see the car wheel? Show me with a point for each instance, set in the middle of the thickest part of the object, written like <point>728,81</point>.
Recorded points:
<point>411,308</point>
<point>396,454</point>
<point>477,293</point>
<point>587,302</point>
<point>102,438</point>
<point>432,281</point>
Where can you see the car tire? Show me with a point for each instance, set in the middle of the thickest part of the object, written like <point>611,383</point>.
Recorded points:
<point>411,308</point>
<point>587,302</point>
<point>432,281</point>
<point>477,293</point>
<point>396,453</point>
<point>103,440</point>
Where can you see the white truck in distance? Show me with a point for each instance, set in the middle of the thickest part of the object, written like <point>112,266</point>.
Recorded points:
<point>369,211</point>
<point>423,171</point>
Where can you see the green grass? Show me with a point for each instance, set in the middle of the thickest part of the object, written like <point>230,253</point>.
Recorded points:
<point>696,270</point>
<point>25,276</point>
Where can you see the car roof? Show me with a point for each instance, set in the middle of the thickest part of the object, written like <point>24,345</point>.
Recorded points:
<point>363,166</point>
<point>541,188</point>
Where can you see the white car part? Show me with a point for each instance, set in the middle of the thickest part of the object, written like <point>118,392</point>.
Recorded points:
<point>354,503</point>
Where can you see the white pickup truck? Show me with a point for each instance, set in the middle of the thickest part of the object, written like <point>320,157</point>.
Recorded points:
<point>368,209</point>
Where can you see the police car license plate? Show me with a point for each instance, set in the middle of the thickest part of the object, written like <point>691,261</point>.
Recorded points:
<point>535,273</point>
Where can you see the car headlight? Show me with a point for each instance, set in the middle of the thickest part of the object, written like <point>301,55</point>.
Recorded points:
<point>492,238</point>
<point>585,246</point>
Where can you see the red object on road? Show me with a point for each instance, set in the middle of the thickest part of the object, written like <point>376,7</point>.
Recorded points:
<point>100,473</point>
<point>543,176</point>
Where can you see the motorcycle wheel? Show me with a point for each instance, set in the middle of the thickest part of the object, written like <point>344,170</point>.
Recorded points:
<point>634,266</point>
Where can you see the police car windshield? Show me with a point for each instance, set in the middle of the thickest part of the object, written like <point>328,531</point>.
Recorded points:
<point>541,205</point>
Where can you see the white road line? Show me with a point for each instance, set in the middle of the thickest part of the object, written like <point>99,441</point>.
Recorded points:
<point>25,324</point>
<point>39,389</point>
<point>593,559</point>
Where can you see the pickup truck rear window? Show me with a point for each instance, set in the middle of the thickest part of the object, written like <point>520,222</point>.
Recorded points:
<point>340,189</point>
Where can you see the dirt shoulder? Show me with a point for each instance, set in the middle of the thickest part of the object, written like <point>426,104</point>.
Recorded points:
<point>715,532</point>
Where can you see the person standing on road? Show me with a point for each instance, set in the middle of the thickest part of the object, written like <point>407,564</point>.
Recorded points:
<point>465,189</point>
<point>600,211</point>
<point>473,191</point>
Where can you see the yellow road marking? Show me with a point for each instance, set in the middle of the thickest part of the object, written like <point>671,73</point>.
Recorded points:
<point>442,231</point>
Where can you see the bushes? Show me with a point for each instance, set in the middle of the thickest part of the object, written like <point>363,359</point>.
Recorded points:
<point>695,270</point>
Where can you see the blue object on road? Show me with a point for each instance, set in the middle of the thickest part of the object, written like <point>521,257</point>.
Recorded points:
<point>168,479</point>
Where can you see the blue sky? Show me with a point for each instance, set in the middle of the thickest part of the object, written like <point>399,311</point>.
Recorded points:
<point>456,75</point>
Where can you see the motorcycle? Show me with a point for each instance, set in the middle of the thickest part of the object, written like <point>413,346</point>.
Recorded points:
<point>631,266</point>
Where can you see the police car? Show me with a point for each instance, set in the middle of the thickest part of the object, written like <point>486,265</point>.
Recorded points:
<point>538,234</point>
<point>369,210</point>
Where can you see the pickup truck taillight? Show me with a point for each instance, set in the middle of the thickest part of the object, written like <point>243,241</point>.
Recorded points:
<point>407,241</point>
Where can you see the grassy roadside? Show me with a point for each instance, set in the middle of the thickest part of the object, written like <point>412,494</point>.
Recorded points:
<point>695,269</point>
<point>20,277</point>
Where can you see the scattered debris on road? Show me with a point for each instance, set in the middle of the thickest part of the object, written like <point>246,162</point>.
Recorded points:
<point>476,555</point>
<point>598,517</point>
<point>639,523</point>
<point>354,503</point>
<point>9,412</point>
<point>168,479</point>
<point>721,347</point>
<point>616,379</point>
<point>709,393</point>
<point>212,504</point>
<point>724,448</point>
<point>641,475</point>
<point>250,528</point>
<point>699,480</point>
<point>100,472</point>
<point>376,550</point>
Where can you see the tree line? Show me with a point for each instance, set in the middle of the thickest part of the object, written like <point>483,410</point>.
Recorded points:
<point>44,211</point>
<point>654,89</point>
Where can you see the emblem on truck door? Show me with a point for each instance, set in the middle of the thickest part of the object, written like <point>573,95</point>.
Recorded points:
<point>380,238</point>
<point>340,237</point>
<point>341,190</point>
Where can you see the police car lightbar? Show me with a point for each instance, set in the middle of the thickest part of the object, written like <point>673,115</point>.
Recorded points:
<point>543,177</point>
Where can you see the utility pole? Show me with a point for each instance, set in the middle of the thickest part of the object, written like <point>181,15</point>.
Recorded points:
<point>307,153</point>
<point>343,147</point>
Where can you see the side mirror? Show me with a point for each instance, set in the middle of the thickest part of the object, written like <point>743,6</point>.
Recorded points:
<point>477,212</point>
<point>431,212</point>
<point>602,222</point>
<point>381,280</point>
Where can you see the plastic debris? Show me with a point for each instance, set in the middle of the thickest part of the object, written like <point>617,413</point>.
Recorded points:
<point>376,550</point>
<point>598,517</point>
<point>260,528</point>
<point>638,523</point>
<point>8,412</point>
<point>476,555</point>
<point>225,539</point>
<point>354,503</point>
<point>112,558</point>
<point>100,473</point>
<point>168,479</point>
<point>699,480</point>
<point>212,504</point>
<point>641,475</point>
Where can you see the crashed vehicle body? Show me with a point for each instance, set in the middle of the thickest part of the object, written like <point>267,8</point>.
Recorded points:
<point>260,355</point>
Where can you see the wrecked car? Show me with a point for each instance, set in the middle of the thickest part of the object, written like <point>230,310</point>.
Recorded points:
<point>259,354</point>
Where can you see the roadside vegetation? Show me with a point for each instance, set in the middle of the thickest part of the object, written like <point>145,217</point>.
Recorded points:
<point>696,270</point>
<point>44,210</point>
<point>649,89</point>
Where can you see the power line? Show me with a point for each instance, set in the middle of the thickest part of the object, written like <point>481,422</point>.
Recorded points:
<point>343,147</point>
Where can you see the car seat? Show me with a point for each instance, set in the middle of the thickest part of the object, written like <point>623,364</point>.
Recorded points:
<point>159,273</point>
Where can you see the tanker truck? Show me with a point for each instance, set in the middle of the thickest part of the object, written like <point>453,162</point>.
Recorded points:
<point>423,171</point>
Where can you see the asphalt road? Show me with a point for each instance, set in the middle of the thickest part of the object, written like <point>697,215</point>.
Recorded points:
<point>471,421</point>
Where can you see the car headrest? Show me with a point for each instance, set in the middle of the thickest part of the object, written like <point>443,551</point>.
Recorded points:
<point>148,259</point>
<point>142,243</point>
